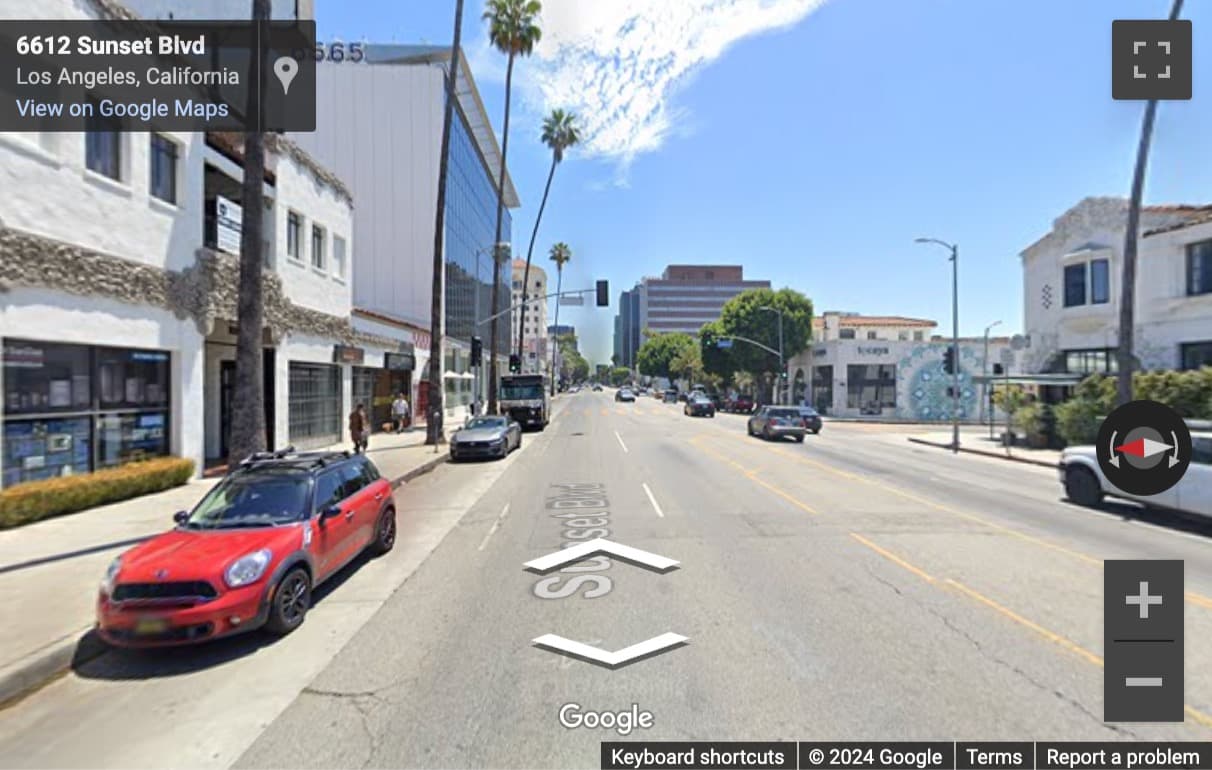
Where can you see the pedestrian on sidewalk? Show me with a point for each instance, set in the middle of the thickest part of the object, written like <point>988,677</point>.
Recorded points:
<point>359,429</point>
<point>399,412</point>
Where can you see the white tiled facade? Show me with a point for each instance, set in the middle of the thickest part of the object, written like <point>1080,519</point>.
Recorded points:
<point>1074,327</point>
<point>534,338</point>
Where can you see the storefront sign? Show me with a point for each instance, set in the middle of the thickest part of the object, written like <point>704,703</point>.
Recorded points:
<point>347,354</point>
<point>864,351</point>
<point>229,219</point>
<point>23,356</point>
<point>399,362</point>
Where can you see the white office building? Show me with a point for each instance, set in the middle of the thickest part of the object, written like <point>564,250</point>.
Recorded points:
<point>1071,289</point>
<point>534,336</point>
<point>118,287</point>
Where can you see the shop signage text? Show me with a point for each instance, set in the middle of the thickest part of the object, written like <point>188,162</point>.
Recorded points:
<point>347,354</point>
<point>866,351</point>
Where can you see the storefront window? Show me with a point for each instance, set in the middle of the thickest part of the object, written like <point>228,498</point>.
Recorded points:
<point>871,386</point>
<point>822,388</point>
<point>123,438</point>
<point>315,405</point>
<point>45,377</point>
<point>43,449</point>
<point>132,379</point>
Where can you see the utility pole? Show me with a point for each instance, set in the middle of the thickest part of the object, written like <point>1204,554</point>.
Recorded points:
<point>985,389</point>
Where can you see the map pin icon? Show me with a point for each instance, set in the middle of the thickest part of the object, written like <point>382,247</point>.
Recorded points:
<point>286,68</point>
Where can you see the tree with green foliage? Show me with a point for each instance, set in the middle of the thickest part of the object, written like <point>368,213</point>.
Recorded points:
<point>688,364</point>
<point>619,375</point>
<point>657,353</point>
<point>745,315</point>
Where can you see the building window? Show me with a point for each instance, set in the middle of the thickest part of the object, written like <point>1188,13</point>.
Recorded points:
<point>919,336</point>
<point>1100,282</point>
<point>74,408</point>
<point>103,148</point>
<point>1196,355</point>
<point>871,386</point>
<point>314,404</point>
<point>1075,284</point>
<point>1199,268</point>
<point>294,235</point>
<point>1094,361</point>
<point>164,168</point>
<point>902,336</point>
<point>872,336</point>
<point>338,256</point>
<point>846,334</point>
<point>317,247</point>
<point>822,388</point>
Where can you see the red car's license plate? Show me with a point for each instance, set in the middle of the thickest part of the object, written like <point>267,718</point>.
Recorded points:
<point>151,626</point>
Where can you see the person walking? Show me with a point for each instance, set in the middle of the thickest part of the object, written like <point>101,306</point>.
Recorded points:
<point>399,412</point>
<point>359,429</point>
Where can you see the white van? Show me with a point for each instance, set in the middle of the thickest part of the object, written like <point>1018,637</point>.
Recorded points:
<point>1085,483</point>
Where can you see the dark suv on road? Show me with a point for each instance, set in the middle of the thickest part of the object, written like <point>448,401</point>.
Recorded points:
<point>251,551</point>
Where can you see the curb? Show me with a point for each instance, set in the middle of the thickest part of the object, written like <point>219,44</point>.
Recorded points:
<point>1027,460</point>
<point>28,674</point>
<point>420,470</point>
<point>38,668</point>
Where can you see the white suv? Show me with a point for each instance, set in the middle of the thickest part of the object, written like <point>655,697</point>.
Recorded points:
<point>1085,483</point>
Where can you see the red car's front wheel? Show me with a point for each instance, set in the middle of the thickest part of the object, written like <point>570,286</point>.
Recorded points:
<point>292,600</point>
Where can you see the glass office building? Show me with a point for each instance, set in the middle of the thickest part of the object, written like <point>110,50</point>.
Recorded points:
<point>471,211</point>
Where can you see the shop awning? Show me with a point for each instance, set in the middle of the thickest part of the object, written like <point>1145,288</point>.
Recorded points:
<point>1065,379</point>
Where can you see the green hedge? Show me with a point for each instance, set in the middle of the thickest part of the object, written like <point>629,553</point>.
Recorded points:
<point>1187,392</point>
<point>36,500</point>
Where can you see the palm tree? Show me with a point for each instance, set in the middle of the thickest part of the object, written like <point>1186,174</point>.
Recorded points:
<point>559,133</point>
<point>433,428</point>
<point>1125,358</point>
<point>512,29</point>
<point>560,254</point>
<point>248,391</point>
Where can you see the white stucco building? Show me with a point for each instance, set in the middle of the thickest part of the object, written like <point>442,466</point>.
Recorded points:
<point>891,367</point>
<point>118,285</point>
<point>1071,288</point>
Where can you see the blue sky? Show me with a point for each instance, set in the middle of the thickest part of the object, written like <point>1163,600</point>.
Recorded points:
<point>813,141</point>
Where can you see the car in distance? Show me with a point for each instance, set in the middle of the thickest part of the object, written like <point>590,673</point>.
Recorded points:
<point>597,388</point>
<point>699,406</point>
<point>251,551</point>
<point>812,419</point>
<point>624,394</point>
<point>739,404</point>
<point>771,422</point>
<point>1085,483</point>
<point>486,436</point>
<point>671,396</point>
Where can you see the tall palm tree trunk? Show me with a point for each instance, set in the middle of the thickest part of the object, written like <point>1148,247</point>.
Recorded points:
<point>555,338</point>
<point>529,253</point>
<point>433,430</point>
<point>248,392</point>
<point>1125,356</point>
<point>496,265</point>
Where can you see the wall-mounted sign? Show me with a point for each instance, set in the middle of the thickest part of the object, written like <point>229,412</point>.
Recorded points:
<point>229,218</point>
<point>868,351</point>
<point>399,362</point>
<point>347,354</point>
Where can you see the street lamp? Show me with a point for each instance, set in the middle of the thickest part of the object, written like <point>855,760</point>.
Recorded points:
<point>955,352</point>
<point>985,383</point>
<point>782,364</point>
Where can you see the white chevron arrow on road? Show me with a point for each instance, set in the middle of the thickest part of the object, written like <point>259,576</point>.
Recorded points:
<point>600,545</point>
<point>654,645</point>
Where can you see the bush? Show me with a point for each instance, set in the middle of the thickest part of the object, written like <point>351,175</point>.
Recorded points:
<point>1077,421</point>
<point>1030,419</point>
<point>36,500</point>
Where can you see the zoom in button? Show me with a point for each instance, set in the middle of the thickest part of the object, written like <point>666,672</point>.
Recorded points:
<point>1144,448</point>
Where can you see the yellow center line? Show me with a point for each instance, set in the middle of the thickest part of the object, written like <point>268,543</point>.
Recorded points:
<point>752,476</point>
<point>1053,637</point>
<point>1191,596</point>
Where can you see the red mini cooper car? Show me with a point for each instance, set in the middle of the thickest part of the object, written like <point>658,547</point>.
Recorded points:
<point>250,553</point>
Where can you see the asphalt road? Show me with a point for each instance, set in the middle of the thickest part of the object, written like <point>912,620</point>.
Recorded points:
<point>853,587</point>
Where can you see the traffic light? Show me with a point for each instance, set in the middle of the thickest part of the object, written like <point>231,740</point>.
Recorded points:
<point>999,369</point>
<point>603,294</point>
<point>515,363</point>
<point>477,351</point>
<point>949,360</point>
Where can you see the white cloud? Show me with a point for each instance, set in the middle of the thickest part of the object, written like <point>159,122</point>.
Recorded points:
<point>617,63</point>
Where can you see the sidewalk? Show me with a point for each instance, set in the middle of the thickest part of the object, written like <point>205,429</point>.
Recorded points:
<point>50,570</point>
<point>975,440</point>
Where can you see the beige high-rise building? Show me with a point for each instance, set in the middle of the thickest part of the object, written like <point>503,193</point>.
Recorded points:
<point>534,336</point>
